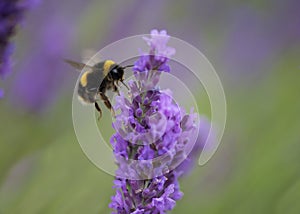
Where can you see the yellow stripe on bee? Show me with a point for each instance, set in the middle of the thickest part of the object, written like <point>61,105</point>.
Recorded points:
<point>83,79</point>
<point>107,65</point>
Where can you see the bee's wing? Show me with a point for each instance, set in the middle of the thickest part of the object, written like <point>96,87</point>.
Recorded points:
<point>78,65</point>
<point>90,57</point>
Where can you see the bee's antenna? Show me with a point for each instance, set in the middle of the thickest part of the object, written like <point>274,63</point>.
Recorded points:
<point>127,66</point>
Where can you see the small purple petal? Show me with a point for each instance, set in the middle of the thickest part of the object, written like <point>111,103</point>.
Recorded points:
<point>159,54</point>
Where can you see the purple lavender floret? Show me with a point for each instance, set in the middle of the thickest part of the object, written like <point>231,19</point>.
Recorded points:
<point>158,56</point>
<point>153,136</point>
<point>11,14</point>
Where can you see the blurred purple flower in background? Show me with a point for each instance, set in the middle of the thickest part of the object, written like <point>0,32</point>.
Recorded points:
<point>152,136</point>
<point>41,73</point>
<point>190,161</point>
<point>285,24</point>
<point>1,93</point>
<point>137,17</point>
<point>11,14</point>
<point>255,38</point>
<point>248,45</point>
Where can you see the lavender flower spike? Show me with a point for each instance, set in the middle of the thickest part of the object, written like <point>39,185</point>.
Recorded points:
<point>11,14</point>
<point>151,139</point>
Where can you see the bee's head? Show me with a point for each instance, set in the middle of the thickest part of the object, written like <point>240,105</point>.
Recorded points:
<point>117,73</point>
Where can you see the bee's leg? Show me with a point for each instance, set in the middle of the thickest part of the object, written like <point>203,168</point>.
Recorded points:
<point>99,110</point>
<point>115,89</point>
<point>107,103</point>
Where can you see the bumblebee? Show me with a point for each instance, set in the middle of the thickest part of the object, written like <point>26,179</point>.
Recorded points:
<point>97,79</point>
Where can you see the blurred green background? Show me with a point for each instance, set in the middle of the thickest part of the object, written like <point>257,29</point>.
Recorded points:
<point>255,49</point>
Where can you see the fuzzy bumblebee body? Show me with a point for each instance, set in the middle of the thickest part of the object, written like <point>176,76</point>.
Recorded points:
<point>96,80</point>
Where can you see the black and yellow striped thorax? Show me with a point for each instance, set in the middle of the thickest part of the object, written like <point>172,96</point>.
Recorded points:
<point>92,78</point>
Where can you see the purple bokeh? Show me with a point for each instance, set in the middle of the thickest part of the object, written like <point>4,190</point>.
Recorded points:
<point>42,73</point>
